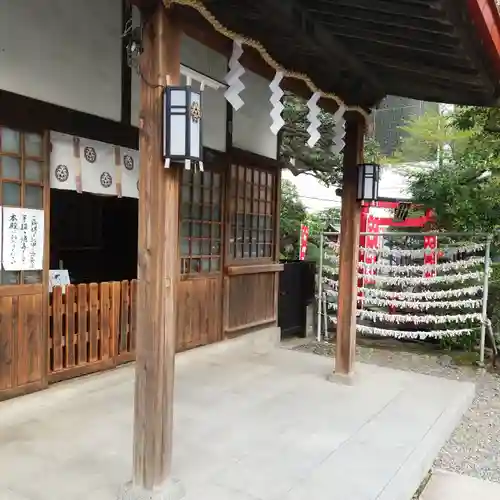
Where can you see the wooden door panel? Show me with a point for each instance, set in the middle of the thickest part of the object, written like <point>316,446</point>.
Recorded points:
<point>199,312</point>
<point>30,345</point>
<point>6,343</point>
<point>250,301</point>
<point>22,346</point>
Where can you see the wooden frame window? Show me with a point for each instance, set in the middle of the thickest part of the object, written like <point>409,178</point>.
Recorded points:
<point>252,213</point>
<point>22,157</point>
<point>201,222</point>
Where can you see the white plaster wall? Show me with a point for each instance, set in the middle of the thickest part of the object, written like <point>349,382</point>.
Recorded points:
<point>210,63</point>
<point>252,121</point>
<point>66,52</point>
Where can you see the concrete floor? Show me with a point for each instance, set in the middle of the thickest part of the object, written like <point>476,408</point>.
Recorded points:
<point>248,426</point>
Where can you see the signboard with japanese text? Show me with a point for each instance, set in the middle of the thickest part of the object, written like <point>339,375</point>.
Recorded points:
<point>22,239</point>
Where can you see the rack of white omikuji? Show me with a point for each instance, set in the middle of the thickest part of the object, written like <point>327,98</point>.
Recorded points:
<point>459,305</point>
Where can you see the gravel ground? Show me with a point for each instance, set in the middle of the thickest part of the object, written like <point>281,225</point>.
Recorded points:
<point>474,447</point>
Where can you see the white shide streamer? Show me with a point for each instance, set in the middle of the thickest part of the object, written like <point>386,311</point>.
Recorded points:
<point>338,142</point>
<point>313,118</point>
<point>233,77</point>
<point>278,107</point>
<point>415,268</point>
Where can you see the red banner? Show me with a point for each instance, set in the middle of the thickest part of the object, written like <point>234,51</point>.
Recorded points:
<point>430,255</point>
<point>372,226</point>
<point>304,234</point>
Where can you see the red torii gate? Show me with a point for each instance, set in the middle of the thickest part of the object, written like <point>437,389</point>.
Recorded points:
<point>371,224</point>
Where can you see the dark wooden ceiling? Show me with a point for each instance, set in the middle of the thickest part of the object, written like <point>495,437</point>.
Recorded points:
<point>363,50</point>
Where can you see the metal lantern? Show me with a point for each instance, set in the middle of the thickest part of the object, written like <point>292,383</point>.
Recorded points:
<point>368,181</point>
<point>182,117</point>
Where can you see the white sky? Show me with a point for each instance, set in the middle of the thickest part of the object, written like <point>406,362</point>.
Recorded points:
<point>316,196</point>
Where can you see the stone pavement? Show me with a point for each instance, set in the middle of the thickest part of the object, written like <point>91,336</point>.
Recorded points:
<point>449,486</point>
<point>248,426</point>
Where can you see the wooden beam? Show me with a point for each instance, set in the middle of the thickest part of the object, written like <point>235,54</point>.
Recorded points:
<point>471,41</point>
<point>383,21</point>
<point>293,14</point>
<point>349,247</point>
<point>26,113</point>
<point>370,8</point>
<point>158,269</point>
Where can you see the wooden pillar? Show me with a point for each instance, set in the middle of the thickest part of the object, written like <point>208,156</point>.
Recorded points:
<point>158,268</point>
<point>349,248</point>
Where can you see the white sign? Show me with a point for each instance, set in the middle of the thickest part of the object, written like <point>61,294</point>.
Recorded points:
<point>58,277</point>
<point>23,236</point>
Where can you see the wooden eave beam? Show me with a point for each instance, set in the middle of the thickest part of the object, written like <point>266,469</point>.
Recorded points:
<point>383,21</point>
<point>401,39</point>
<point>369,8</point>
<point>431,72</point>
<point>376,31</point>
<point>312,32</point>
<point>471,44</point>
<point>370,43</point>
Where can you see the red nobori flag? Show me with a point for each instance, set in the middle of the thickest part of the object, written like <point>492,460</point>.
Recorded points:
<point>304,235</point>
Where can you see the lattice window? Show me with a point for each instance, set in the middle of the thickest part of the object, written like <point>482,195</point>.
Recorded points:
<point>252,213</point>
<point>201,222</point>
<point>22,181</point>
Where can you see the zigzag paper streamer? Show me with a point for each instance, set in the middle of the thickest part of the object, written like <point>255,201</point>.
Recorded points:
<point>233,78</point>
<point>313,117</point>
<point>338,142</point>
<point>275,99</point>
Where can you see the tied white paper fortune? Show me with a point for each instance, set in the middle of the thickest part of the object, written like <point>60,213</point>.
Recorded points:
<point>415,319</point>
<point>428,295</point>
<point>415,305</point>
<point>313,118</point>
<point>388,252</point>
<point>426,319</point>
<point>415,268</point>
<point>233,77</point>
<point>424,306</point>
<point>276,95</point>
<point>338,142</point>
<point>424,280</point>
<point>402,334</point>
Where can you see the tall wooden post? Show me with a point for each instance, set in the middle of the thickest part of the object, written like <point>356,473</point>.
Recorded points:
<point>158,270</point>
<point>349,247</point>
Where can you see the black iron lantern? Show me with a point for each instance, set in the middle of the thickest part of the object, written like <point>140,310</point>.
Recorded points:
<point>368,181</point>
<point>182,118</point>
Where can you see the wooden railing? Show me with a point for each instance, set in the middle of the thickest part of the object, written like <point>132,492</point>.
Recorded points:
<point>91,327</point>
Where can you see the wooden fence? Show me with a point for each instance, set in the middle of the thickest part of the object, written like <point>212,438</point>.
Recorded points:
<point>92,327</point>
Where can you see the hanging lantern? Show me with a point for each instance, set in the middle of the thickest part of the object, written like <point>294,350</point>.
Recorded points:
<point>368,181</point>
<point>182,117</point>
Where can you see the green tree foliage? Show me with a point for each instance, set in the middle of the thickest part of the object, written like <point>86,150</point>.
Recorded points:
<point>461,201</point>
<point>292,214</point>
<point>431,137</point>
<point>318,161</point>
